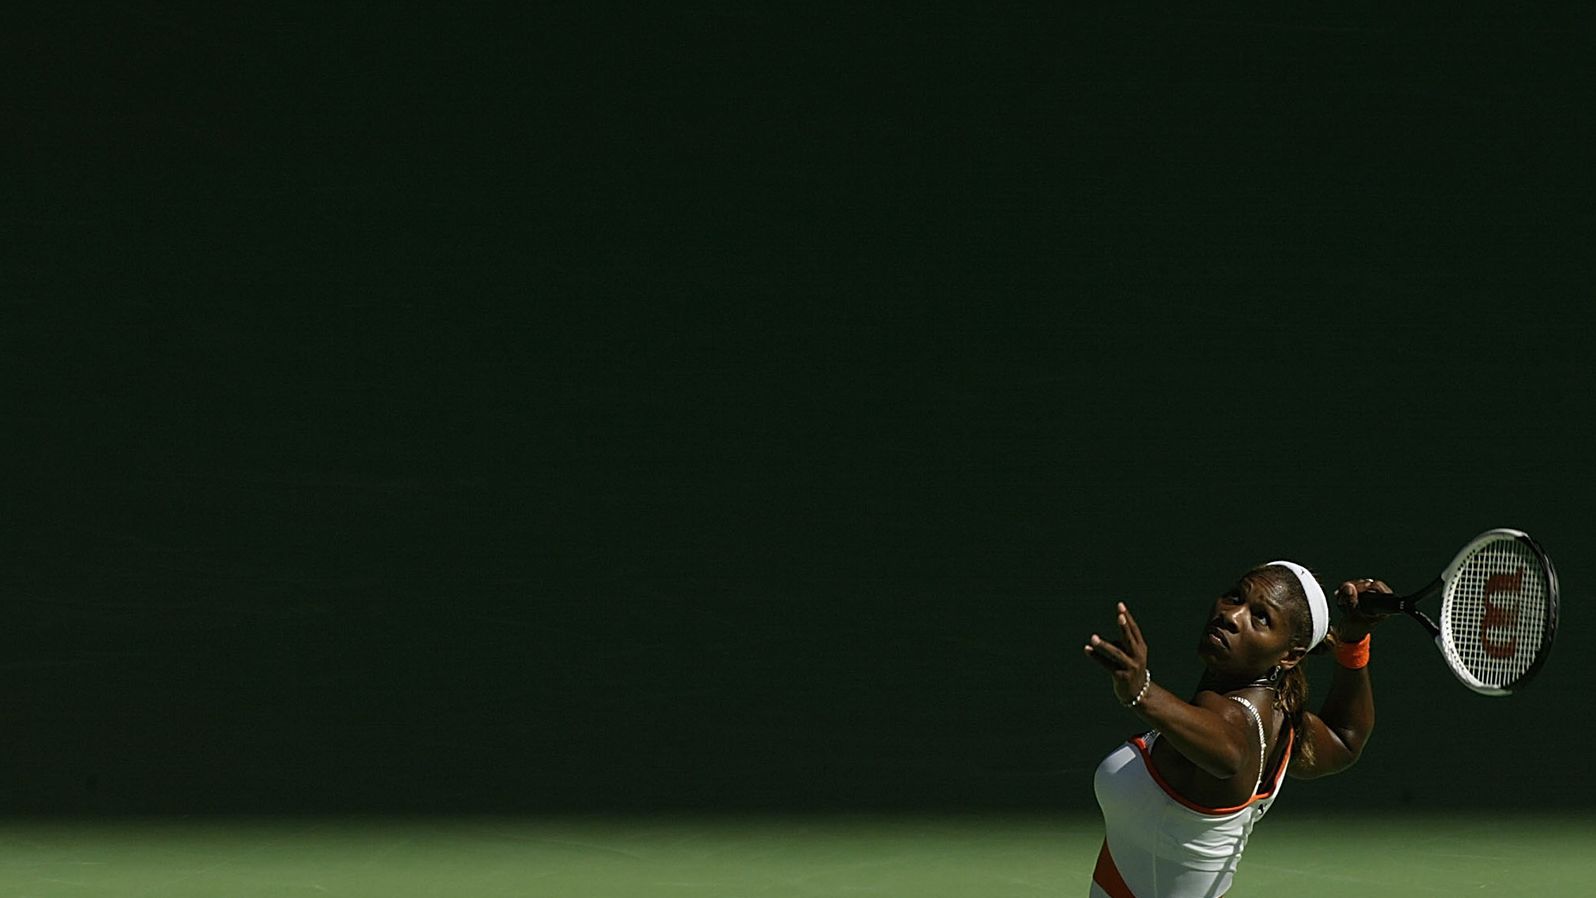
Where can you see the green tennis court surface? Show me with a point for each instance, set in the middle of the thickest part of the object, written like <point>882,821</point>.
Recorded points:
<point>774,857</point>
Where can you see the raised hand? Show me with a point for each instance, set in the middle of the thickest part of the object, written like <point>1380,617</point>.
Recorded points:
<point>1356,622</point>
<point>1125,658</point>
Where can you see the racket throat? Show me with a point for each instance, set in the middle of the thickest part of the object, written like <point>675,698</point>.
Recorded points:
<point>1424,621</point>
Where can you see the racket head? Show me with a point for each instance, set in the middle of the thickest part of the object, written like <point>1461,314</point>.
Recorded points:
<point>1499,606</point>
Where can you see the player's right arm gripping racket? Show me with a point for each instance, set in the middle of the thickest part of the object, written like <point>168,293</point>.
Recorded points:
<point>1498,611</point>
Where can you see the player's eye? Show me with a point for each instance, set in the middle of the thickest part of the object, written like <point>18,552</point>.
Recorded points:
<point>1261,616</point>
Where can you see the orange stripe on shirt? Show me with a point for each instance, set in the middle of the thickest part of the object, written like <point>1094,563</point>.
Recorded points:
<point>1280,772</point>
<point>1107,876</point>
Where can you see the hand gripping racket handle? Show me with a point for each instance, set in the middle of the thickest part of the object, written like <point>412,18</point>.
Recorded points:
<point>1390,603</point>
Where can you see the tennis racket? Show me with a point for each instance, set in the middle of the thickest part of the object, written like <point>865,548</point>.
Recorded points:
<point>1498,611</point>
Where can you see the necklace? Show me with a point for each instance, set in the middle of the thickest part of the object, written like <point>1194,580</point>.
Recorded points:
<point>1266,683</point>
<point>1260,683</point>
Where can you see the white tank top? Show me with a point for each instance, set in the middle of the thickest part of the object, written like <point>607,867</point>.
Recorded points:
<point>1158,844</point>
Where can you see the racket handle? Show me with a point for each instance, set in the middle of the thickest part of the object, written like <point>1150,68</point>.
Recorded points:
<point>1381,602</point>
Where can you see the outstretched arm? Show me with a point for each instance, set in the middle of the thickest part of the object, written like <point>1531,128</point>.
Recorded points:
<point>1212,732</point>
<point>1343,725</point>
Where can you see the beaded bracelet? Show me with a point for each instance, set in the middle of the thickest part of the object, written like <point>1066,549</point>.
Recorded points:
<point>1143,694</point>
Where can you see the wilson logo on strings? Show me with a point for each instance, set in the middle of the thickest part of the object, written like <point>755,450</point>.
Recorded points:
<point>1500,617</point>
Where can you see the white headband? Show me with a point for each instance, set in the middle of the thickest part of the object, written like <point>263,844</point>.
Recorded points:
<point>1316,603</point>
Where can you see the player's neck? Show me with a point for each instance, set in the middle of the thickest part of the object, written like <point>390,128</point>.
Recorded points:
<point>1226,684</point>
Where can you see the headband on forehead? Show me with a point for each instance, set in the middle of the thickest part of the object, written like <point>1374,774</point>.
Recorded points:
<point>1316,602</point>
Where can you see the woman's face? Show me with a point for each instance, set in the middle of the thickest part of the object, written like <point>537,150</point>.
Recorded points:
<point>1247,632</point>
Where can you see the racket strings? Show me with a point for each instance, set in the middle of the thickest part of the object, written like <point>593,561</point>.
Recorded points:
<point>1494,616</point>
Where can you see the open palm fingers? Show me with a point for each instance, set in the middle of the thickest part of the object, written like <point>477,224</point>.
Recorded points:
<point>1110,655</point>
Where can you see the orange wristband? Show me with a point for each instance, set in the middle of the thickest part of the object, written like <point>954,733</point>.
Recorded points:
<point>1354,655</point>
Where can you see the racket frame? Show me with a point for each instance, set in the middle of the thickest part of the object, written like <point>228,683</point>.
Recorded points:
<point>1442,586</point>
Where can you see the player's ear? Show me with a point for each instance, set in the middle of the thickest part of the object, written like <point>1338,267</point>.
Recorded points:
<point>1292,657</point>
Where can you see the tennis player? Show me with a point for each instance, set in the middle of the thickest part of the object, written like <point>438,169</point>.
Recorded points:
<point>1179,801</point>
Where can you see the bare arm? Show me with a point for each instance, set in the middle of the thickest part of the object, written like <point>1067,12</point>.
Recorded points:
<point>1344,723</point>
<point>1212,732</point>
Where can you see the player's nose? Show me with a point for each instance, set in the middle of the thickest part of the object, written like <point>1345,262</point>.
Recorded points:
<point>1226,618</point>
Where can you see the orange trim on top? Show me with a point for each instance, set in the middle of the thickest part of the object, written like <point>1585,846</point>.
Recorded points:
<point>1107,877</point>
<point>1280,773</point>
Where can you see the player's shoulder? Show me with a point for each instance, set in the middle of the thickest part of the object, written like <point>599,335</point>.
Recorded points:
<point>1224,704</point>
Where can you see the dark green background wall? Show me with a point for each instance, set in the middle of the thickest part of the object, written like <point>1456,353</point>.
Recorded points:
<point>719,408</point>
